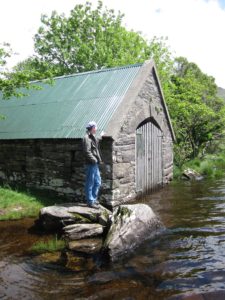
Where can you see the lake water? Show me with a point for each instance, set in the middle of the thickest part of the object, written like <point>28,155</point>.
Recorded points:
<point>188,257</point>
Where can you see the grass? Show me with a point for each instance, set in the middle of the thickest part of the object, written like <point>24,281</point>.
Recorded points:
<point>52,245</point>
<point>210,166</point>
<point>17,205</point>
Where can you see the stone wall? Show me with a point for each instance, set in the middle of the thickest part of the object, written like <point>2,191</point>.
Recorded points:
<point>55,166</point>
<point>148,104</point>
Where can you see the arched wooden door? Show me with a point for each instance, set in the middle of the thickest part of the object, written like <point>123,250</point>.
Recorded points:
<point>148,158</point>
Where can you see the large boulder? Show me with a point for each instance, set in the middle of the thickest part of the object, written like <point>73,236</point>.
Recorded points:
<point>131,225</point>
<point>58,216</point>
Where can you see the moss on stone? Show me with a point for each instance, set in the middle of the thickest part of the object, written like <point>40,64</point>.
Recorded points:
<point>105,214</point>
<point>81,218</point>
<point>124,211</point>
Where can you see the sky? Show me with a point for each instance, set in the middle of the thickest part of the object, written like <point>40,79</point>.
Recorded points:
<point>195,28</point>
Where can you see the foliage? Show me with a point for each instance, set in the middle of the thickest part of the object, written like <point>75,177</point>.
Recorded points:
<point>9,82</point>
<point>196,110</point>
<point>5,52</point>
<point>87,39</point>
<point>48,246</point>
<point>12,82</point>
<point>160,52</point>
<point>90,39</point>
<point>35,70</point>
<point>210,166</point>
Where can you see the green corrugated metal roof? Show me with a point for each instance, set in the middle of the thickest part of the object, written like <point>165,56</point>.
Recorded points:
<point>63,110</point>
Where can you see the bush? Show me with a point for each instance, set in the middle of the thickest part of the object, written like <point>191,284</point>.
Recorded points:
<point>210,166</point>
<point>207,168</point>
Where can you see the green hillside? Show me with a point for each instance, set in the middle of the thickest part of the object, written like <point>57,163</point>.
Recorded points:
<point>221,92</point>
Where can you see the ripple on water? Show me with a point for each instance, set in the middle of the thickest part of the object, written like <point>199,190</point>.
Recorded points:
<point>37,280</point>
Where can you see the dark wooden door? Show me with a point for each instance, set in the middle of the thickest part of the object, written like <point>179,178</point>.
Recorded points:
<point>148,158</point>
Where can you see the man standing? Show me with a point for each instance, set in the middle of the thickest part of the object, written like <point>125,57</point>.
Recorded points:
<point>92,160</point>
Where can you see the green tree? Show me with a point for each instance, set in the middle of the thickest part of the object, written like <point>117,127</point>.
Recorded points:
<point>196,110</point>
<point>90,39</point>
<point>35,69</point>
<point>87,39</point>
<point>12,82</point>
<point>160,52</point>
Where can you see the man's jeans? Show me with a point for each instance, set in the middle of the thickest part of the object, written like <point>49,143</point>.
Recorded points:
<point>93,182</point>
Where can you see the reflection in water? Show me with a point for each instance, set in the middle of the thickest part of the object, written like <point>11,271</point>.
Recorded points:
<point>188,257</point>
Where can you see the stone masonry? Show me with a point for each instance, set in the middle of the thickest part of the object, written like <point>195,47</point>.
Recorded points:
<point>147,105</point>
<point>55,166</point>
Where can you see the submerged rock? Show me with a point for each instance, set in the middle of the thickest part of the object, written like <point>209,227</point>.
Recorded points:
<point>49,257</point>
<point>88,246</point>
<point>80,231</point>
<point>78,263</point>
<point>131,225</point>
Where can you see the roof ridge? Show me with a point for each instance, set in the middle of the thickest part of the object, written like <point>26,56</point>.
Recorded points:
<point>91,72</point>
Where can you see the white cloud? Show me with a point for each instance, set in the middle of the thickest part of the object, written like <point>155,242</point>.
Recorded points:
<point>194,27</point>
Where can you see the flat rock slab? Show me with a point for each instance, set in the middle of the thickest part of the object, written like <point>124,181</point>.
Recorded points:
<point>88,246</point>
<point>90,213</point>
<point>81,231</point>
<point>131,225</point>
<point>55,217</point>
<point>58,216</point>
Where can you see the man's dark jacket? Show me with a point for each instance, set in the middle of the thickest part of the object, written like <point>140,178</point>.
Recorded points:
<point>91,149</point>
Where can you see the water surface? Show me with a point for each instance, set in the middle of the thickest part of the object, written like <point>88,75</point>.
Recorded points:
<point>187,257</point>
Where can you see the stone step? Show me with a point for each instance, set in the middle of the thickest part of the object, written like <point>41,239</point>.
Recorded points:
<point>58,216</point>
<point>81,231</point>
<point>88,246</point>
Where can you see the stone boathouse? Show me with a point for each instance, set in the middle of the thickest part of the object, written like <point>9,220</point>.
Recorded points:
<point>41,135</point>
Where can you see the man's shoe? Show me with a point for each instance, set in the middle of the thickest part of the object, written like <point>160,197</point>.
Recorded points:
<point>93,205</point>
